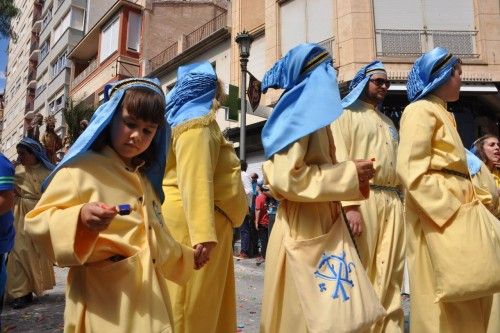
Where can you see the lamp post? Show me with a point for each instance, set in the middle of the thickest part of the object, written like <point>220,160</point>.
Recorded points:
<point>244,40</point>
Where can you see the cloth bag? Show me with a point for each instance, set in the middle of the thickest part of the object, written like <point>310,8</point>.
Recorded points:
<point>333,288</point>
<point>465,254</point>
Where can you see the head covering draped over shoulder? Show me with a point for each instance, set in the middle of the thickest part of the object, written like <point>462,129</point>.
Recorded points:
<point>192,95</point>
<point>429,72</point>
<point>360,81</point>
<point>36,148</point>
<point>311,99</point>
<point>473,162</point>
<point>113,95</point>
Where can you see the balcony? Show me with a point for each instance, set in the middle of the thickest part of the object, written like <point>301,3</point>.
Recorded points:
<point>40,89</point>
<point>37,26</point>
<point>86,72</point>
<point>34,50</point>
<point>165,56</point>
<point>214,28</point>
<point>412,43</point>
<point>206,30</point>
<point>32,80</point>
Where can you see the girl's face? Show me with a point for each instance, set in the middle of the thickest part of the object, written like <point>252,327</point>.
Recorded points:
<point>131,136</point>
<point>491,149</point>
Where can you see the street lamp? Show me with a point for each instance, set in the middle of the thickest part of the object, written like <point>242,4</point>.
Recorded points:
<point>244,40</point>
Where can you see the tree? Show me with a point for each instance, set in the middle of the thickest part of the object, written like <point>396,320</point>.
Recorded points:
<point>7,12</point>
<point>74,115</point>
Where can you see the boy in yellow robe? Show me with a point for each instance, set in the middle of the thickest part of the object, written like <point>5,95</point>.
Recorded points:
<point>432,167</point>
<point>300,171</point>
<point>120,256</point>
<point>29,270</point>
<point>204,201</point>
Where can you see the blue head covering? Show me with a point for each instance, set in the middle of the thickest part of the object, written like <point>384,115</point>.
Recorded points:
<point>311,99</point>
<point>430,71</point>
<point>113,95</point>
<point>360,81</point>
<point>473,162</point>
<point>193,94</point>
<point>36,148</point>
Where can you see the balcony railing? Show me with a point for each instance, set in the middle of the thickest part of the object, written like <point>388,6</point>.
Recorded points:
<point>412,43</point>
<point>327,44</point>
<point>206,30</point>
<point>164,56</point>
<point>86,72</point>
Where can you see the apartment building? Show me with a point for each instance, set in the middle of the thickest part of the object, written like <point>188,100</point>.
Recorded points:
<point>63,24</point>
<point>2,106</point>
<point>394,31</point>
<point>21,73</point>
<point>133,39</point>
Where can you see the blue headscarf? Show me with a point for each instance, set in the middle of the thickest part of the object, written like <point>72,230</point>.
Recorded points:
<point>113,95</point>
<point>474,163</point>
<point>430,71</point>
<point>36,148</point>
<point>360,81</point>
<point>193,94</point>
<point>311,99</point>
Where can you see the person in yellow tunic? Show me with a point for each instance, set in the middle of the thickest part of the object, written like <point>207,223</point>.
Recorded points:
<point>300,171</point>
<point>487,148</point>
<point>100,214</point>
<point>432,167</point>
<point>204,201</point>
<point>29,270</point>
<point>486,180</point>
<point>364,132</point>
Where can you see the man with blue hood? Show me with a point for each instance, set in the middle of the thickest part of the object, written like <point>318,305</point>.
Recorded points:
<point>364,132</point>
<point>204,201</point>
<point>300,170</point>
<point>432,166</point>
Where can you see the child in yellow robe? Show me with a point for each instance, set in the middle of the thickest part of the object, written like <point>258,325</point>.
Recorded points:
<point>29,271</point>
<point>204,201</point>
<point>120,257</point>
<point>432,166</point>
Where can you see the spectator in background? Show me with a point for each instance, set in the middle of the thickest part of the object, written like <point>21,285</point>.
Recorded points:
<point>261,220</point>
<point>6,219</point>
<point>244,229</point>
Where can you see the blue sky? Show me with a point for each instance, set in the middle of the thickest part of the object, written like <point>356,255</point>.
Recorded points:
<point>4,44</point>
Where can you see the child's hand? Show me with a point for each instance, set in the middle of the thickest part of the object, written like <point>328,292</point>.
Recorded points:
<point>97,216</point>
<point>202,253</point>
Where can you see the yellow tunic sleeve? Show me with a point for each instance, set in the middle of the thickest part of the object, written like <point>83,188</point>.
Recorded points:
<point>53,224</point>
<point>292,178</point>
<point>417,145</point>
<point>486,190</point>
<point>196,153</point>
<point>341,131</point>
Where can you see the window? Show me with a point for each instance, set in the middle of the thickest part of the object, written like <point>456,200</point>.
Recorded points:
<point>134,32</point>
<point>109,39</point>
<point>44,50</point>
<point>61,27</point>
<point>47,18</point>
<point>305,21</point>
<point>59,64</point>
<point>77,18</point>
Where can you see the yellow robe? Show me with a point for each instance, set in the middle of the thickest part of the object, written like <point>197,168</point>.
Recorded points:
<point>301,178</point>
<point>429,142</point>
<point>28,269</point>
<point>486,190</point>
<point>203,173</point>
<point>496,175</point>
<point>362,132</point>
<point>117,280</point>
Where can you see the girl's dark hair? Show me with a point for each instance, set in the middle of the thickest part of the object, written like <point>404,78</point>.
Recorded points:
<point>146,105</point>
